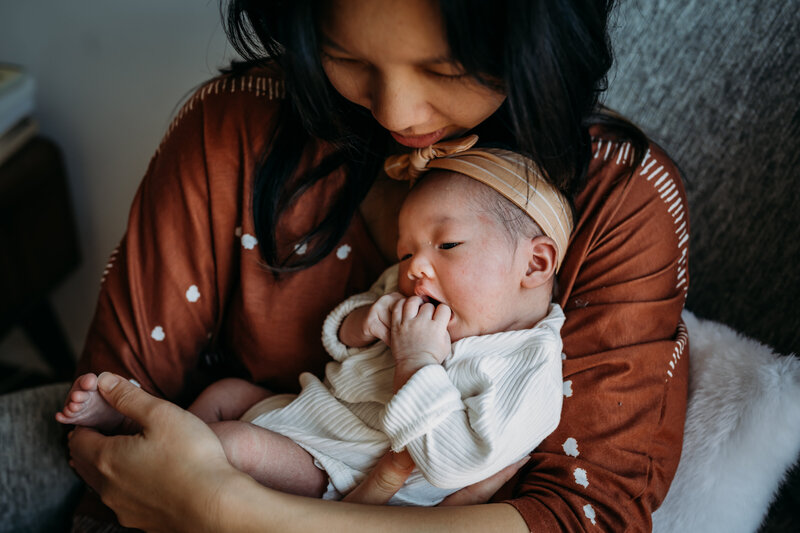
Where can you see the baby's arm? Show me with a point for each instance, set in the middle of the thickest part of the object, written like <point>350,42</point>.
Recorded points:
<point>465,422</point>
<point>361,319</point>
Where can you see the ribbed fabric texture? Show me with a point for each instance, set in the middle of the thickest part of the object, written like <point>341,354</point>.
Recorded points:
<point>491,402</point>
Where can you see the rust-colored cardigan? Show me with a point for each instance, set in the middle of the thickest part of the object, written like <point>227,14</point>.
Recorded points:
<point>189,261</point>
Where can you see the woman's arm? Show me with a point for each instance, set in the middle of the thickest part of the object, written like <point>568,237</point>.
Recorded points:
<point>164,288</point>
<point>174,477</point>
<point>257,509</point>
<point>622,286</point>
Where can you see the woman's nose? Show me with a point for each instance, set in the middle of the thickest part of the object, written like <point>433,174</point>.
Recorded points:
<point>399,104</point>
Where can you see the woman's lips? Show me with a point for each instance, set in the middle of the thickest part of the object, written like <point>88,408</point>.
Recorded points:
<point>419,141</point>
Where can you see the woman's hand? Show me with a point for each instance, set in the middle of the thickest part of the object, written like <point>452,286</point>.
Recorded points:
<point>157,480</point>
<point>393,469</point>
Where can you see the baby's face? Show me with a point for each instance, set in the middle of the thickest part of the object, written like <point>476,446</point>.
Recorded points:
<point>454,252</point>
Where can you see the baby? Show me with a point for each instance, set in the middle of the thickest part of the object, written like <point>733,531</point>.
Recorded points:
<point>454,354</point>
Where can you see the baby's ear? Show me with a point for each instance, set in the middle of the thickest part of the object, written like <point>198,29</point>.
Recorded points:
<point>542,253</point>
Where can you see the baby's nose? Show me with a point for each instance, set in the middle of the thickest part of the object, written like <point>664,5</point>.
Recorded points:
<point>420,268</point>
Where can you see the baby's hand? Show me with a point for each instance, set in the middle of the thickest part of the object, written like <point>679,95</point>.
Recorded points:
<point>378,322</point>
<point>419,332</point>
<point>365,324</point>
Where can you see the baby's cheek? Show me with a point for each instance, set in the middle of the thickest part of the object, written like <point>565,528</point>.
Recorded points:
<point>405,285</point>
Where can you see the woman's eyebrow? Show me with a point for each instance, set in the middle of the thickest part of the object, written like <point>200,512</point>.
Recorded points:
<point>330,43</point>
<point>327,42</point>
<point>438,60</point>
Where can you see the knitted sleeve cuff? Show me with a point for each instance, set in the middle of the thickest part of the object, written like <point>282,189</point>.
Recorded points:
<point>330,328</point>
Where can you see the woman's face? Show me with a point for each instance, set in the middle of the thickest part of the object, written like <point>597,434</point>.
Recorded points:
<point>391,57</point>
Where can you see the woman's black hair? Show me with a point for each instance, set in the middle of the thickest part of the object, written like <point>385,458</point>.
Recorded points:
<point>550,57</point>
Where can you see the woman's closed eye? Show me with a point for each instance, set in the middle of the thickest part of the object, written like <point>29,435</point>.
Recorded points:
<point>448,245</point>
<point>449,77</point>
<point>342,60</point>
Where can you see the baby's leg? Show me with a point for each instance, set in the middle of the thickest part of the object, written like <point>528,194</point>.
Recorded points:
<point>86,407</point>
<point>227,399</point>
<point>271,459</point>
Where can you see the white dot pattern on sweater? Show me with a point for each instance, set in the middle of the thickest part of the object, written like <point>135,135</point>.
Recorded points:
<point>588,510</point>
<point>248,241</point>
<point>193,294</point>
<point>571,447</point>
<point>158,334</point>
<point>580,477</point>
<point>343,251</point>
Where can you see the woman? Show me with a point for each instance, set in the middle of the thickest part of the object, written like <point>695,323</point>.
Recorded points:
<point>246,183</point>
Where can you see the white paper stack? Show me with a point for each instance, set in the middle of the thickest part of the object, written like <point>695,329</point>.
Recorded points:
<point>17,125</point>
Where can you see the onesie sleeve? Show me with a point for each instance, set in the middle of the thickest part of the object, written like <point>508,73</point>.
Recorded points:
<point>609,463</point>
<point>160,295</point>
<point>484,411</point>
<point>386,284</point>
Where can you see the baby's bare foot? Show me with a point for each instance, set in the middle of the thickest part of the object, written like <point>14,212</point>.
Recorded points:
<point>86,407</point>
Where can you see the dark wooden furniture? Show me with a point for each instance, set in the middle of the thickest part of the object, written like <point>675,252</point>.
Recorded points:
<point>38,248</point>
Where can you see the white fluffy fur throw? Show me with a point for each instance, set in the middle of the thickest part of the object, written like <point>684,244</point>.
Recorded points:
<point>742,433</point>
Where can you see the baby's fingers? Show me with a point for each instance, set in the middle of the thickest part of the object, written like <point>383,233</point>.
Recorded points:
<point>381,331</point>
<point>405,309</point>
<point>442,314</point>
<point>384,307</point>
<point>411,307</point>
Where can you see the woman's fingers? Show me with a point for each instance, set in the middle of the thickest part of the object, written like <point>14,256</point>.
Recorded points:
<point>482,491</point>
<point>126,397</point>
<point>84,448</point>
<point>176,459</point>
<point>384,480</point>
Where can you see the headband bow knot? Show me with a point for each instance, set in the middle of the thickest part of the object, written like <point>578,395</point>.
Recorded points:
<point>409,167</point>
<point>511,174</point>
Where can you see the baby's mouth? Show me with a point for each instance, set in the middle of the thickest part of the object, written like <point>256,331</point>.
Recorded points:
<point>429,300</point>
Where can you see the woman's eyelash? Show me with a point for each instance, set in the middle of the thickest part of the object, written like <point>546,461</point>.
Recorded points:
<point>407,256</point>
<point>452,77</point>
<point>329,57</point>
<point>440,75</point>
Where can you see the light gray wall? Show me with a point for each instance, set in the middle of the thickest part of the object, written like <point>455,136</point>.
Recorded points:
<point>110,74</point>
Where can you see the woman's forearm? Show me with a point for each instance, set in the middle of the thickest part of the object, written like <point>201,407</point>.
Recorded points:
<point>174,476</point>
<point>247,506</point>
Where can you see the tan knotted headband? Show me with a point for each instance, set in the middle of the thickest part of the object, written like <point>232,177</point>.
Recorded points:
<point>513,175</point>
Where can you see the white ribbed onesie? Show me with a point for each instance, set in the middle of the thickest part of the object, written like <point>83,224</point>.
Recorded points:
<point>492,401</point>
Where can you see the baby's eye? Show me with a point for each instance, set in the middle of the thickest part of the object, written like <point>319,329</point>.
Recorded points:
<point>407,256</point>
<point>448,245</point>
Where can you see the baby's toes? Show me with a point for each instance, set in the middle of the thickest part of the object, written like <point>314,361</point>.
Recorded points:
<point>87,382</point>
<point>78,396</point>
<point>73,408</point>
